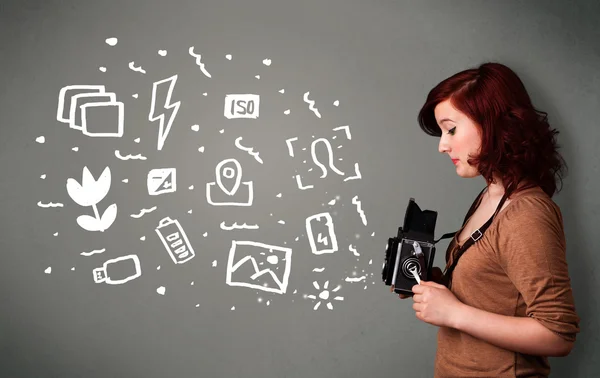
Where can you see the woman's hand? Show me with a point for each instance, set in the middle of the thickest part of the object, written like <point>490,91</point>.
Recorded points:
<point>435,304</point>
<point>436,276</point>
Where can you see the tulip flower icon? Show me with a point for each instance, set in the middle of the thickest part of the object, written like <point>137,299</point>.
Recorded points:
<point>89,193</point>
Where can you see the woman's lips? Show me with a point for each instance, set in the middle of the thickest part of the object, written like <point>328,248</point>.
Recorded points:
<point>455,161</point>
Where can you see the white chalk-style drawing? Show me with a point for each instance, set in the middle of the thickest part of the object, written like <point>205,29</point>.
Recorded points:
<point>89,193</point>
<point>48,270</point>
<point>329,154</point>
<point>49,204</point>
<point>136,69</point>
<point>162,52</point>
<point>288,142</point>
<point>112,41</point>
<point>346,129</point>
<point>129,157</point>
<point>244,253</point>
<point>324,295</point>
<point>229,179</point>
<point>94,252</point>
<point>357,174</point>
<point>267,62</point>
<point>103,274</point>
<point>248,149</point>
<point>300,186</point>
<point>355,279</point>
<point>40,139</point>
<point>77,105</point>
<point>161,290</point>
<point>166,107</point>
<point>75,149</point>
<point>353,250</point>
<point>318,270</point>
<point>336,103</point>
<point>102,69</point>
<point>161,180</point>
<point>311,105</point>
<point>199,62</point>
<point>143,211</point>
<point>356,201</point>
<point>236,226</point>
<point>321,234</point>
<point>175,240</point>
<point>241,106</point>
<point>228,56</point>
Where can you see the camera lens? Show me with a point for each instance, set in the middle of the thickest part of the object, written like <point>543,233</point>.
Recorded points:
<point>408,264</point>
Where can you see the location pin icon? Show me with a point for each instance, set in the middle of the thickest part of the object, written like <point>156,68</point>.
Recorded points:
<point>229,175</point>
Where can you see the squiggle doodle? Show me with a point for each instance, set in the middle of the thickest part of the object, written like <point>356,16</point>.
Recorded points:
<point>357,279</point>
<point>318,270</point>
<point>356,176</point>
<point>238,227</point>
<point>198,61</point>
<point>136,69</point>
<point>49,204</point>
<point>129,157</point>
<point>143,211</point>
<point>95,251</point>
<point>346,129</point>
<point>249,150</point>
<point>356,201</point>
<point>311,105</point>
<point>353,250</point>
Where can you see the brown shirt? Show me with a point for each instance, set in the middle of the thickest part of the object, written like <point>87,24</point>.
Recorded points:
<point>518,268</point>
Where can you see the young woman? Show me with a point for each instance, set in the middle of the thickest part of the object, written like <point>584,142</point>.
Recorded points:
<point>504,303</point>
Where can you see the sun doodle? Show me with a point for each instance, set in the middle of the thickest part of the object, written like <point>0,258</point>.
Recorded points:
<point>324,295</point>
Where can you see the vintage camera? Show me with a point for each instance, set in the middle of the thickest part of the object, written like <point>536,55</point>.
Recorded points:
<point>413,250</point>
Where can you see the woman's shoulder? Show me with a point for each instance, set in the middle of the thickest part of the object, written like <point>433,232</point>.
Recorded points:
<point>529,207</point>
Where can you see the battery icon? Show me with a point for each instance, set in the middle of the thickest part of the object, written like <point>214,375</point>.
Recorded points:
<point>175,240</point>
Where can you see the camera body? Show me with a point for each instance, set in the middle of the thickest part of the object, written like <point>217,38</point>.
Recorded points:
<point>412,249</point>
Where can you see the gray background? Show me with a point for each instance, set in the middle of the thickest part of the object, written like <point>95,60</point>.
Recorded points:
<point>379,59</point>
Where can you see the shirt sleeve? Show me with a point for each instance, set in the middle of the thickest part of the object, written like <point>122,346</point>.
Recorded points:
<point>532,251</point>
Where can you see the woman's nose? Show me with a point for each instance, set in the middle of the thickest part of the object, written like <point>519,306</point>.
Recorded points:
<point>443,146</point>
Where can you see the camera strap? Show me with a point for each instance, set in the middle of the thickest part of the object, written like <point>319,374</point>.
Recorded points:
<point>475,236</point>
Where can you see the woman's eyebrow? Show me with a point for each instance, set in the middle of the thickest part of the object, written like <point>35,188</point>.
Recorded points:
<point>446,119</point>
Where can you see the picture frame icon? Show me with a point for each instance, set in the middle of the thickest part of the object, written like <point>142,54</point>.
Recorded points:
<point>246,266</point>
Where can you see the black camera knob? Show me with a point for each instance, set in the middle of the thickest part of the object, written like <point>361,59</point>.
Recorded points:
<point>408,264</point>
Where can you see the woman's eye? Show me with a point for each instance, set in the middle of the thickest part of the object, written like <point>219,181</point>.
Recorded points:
<point>452,130</point>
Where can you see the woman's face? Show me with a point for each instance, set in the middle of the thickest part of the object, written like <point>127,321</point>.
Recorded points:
<point>460,137</point>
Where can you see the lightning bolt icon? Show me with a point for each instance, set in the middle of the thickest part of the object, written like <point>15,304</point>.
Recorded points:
<point>168,109</point>
<point>322,239</point>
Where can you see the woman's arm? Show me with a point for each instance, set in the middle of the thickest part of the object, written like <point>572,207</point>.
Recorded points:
<point>520,334</point>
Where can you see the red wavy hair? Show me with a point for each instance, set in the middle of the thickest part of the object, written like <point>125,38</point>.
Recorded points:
<point>517,142</point>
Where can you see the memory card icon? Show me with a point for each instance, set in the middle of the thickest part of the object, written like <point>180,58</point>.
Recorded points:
<point>161,181</point>
<point>321,234</point>
<point>175,240</point>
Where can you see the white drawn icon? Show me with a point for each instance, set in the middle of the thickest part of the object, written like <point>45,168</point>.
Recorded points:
<point>244,266</point>
<point>321,234</point>
<point>89,193</point>
<point>175,240</point>
<point>165,108</point>
<point>80,105</point>
<point>161,180</point>
<point>241,106</point>
<point>329,154</point>
<point>109,272</point>
<point>229,179</point>
<point>330,157</point>
<point>325,294</point>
